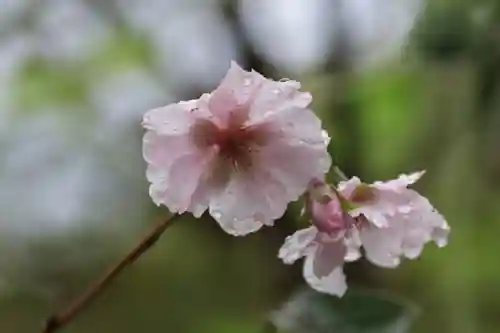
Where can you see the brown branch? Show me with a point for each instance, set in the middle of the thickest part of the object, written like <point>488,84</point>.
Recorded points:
<point>62,318</point>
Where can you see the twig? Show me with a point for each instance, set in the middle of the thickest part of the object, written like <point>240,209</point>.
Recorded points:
<point>62,318</point>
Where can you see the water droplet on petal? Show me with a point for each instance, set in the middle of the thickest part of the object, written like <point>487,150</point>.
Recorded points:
<point>326,137</point>
<point>276,91</point>
<point>247,82</point>
<point>216,214</point>
<point>405,209</point>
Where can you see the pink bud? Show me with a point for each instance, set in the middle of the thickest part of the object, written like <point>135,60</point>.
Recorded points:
<point>328,216</point>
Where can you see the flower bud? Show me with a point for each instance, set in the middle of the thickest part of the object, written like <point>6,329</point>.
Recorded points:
<point>328,216</point>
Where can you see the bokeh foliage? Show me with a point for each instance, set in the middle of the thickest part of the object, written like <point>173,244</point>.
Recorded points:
<point>436,109</point>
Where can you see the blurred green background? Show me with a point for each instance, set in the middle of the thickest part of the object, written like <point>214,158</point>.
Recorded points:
<point>401,85</point>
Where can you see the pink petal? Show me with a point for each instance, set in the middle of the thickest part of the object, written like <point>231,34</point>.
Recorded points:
<point>248,202</point>
<point>235,90</point>
<point>163,150</point>
<point>158,191</point>
<point>276,96</point>
<point>297,245</point>
<point>328,256</point>
<point>440,235</point>
<point>173,119</point>
<point>382,246</point>
<point>323,269</point>
<point>328,217</point>
<point>200,199</point>
<point>374,215</point>
<point>293,166</point>
<point>296,125</point>
<point>184,178</point>
<point>401,183</point>
<point>348,186</point>
<point>353,244</point>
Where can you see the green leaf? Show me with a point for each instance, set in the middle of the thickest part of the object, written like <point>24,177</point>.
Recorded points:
<point>357,312</point>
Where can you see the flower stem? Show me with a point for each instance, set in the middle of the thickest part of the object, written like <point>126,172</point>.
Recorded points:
<point>62,318</point>
<point>339,174</point>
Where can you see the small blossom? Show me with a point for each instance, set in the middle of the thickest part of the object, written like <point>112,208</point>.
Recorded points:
<point>243,151</point>
<point>398,221</point>
<point>388,220</point>
<point>326,245</point>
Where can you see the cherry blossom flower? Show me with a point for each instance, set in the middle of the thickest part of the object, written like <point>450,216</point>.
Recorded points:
<point>326,245</point>
<point>398,221</point>
<point>386,219</point>
<point>243,151</point>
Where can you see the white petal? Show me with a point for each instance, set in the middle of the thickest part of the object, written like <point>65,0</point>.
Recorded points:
<point>296,245</point>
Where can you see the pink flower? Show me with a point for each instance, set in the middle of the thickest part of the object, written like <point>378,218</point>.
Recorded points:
<point>326,246</point>
<point>398,220</point>
<point>243,151</point>
<point>389,222</point>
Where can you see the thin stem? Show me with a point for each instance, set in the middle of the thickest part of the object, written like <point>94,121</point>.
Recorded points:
<point>62,318</point>
<point>339,174</point>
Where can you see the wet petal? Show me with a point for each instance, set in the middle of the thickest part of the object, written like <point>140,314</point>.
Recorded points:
<point>293,165</point>
<point>382,246</point>
<point>234,93</point>
<point>173,119</point>
<point>297,245</point>
<point>184,178</point>
<point>401,183</point>
<point>348,186</point>
<point>274,97</point>
<point>162,150</point>
<point>353,244</point>
<point>323,270</point>
<point>248,202</point>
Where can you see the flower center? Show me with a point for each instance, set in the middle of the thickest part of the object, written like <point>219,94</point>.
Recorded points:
<point>236,143</point>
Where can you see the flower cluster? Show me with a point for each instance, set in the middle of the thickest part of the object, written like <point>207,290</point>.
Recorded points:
<point>249,148</point>
<point>387,220</point>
